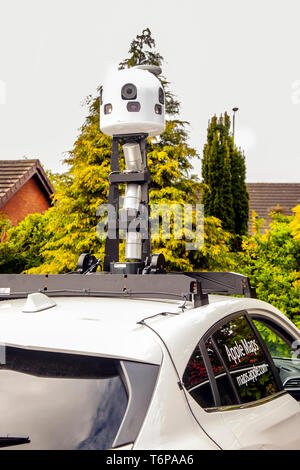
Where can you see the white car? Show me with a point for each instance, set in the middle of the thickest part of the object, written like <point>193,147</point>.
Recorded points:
<point>91,372</point>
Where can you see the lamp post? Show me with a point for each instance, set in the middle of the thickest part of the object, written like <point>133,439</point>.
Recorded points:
<point>233,121</point>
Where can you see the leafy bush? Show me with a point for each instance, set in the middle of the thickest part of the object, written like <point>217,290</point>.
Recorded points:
<point>272,261</point>
<point>24,244</point>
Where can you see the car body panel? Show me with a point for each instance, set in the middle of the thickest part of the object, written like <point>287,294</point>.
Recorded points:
<point>273,424</point>
<point>92,326</point>
<point>136,330</point>
<point>169,423</point>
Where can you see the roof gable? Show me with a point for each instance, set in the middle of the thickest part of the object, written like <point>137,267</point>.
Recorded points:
<point>15,173</point>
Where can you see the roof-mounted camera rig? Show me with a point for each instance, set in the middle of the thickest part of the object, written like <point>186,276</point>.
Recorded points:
<point>132,108</point>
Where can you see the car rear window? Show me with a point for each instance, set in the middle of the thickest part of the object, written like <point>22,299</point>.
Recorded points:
<point>61,401</point>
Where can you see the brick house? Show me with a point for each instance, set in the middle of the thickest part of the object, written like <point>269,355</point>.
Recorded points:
<point>265,197</point>
<point>24,189</point>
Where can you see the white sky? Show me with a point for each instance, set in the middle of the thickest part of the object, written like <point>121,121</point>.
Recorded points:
<point>219,54</point>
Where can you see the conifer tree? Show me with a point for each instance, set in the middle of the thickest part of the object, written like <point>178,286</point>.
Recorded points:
<point>224,192</point>
<point>239,191</point>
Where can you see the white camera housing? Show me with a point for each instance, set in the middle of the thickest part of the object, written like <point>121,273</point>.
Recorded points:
<point>135,109</point>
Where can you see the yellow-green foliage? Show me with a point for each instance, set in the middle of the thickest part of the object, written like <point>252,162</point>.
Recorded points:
<point>295,224</point>
<point>24,244</point>
<point>4,225</point>
<point>272,261</point>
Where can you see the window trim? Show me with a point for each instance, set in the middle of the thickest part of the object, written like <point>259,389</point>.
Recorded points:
<point>210,373</point>
<point>288,338</point>
<point>235,392</point>
<point>228,318</point>
<point>134,416</point>
<point>249,404</point>
<point>266,352</point>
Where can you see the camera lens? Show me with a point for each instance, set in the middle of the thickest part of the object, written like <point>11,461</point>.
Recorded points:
<point>108,108</point>
<point>161,97</point>
<point>133,106</point>
<point>158,109</point>
<point>129,92</point>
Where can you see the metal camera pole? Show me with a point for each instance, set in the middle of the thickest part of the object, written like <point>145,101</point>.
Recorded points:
<point>142,222</point>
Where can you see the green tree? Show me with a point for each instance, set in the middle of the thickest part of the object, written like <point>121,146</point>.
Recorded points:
<point>142,52</point>
<point>240,193</point>
<point>24,245</point>
<point>224,192</point>
<point>272,261</point>
<point>4,225</point>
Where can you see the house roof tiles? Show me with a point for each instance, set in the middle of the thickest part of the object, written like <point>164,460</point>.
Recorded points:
<point>15,173</point>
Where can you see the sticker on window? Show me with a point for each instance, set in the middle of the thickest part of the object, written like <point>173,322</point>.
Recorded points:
<point>245,360</point>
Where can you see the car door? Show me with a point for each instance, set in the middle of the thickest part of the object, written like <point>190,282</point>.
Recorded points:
<point>232,377</point>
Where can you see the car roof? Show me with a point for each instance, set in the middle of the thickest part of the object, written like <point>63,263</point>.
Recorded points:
<point>110,326</point>
<point>105,326</point>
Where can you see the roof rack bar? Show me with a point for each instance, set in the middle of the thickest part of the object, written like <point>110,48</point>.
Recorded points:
<point>189,285</point>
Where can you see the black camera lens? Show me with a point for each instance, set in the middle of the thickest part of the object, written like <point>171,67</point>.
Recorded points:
<point>129,92</point>
<point>108,108</point>
<point>158,109</point>
<point>161,96</point>
<point>133,106</point>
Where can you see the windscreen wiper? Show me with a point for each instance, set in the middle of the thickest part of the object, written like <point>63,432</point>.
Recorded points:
<point>11,440</point>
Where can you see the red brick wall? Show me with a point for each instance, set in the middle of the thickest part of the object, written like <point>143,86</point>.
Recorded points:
<point>28,200</point>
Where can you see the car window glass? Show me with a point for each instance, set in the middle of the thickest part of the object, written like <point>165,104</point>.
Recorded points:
<point>225,389</point>
<point>61,401</point>
<point>276,345</point>
<point>285,357</point>
<point>245,360</point>
<point>196,381</point>
<point>215,361</point>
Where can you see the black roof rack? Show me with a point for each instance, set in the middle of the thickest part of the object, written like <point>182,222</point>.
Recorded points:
<point>192,286</point>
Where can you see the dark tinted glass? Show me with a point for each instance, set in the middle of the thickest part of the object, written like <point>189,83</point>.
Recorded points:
<point>245,360</point>
<point>161,96</point>
<point>158,109</point>
<point>195,371</point>
<point>108,108</point>
<point>195,380</point>
<point>214,358</point>
<point>61,401</point>
<point>203,395</point>
<point>133,106</point>
<point>226,392</point>
<point>129,92</point>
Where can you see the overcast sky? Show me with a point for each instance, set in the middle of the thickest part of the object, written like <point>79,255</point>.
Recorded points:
<point>219,54</point>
